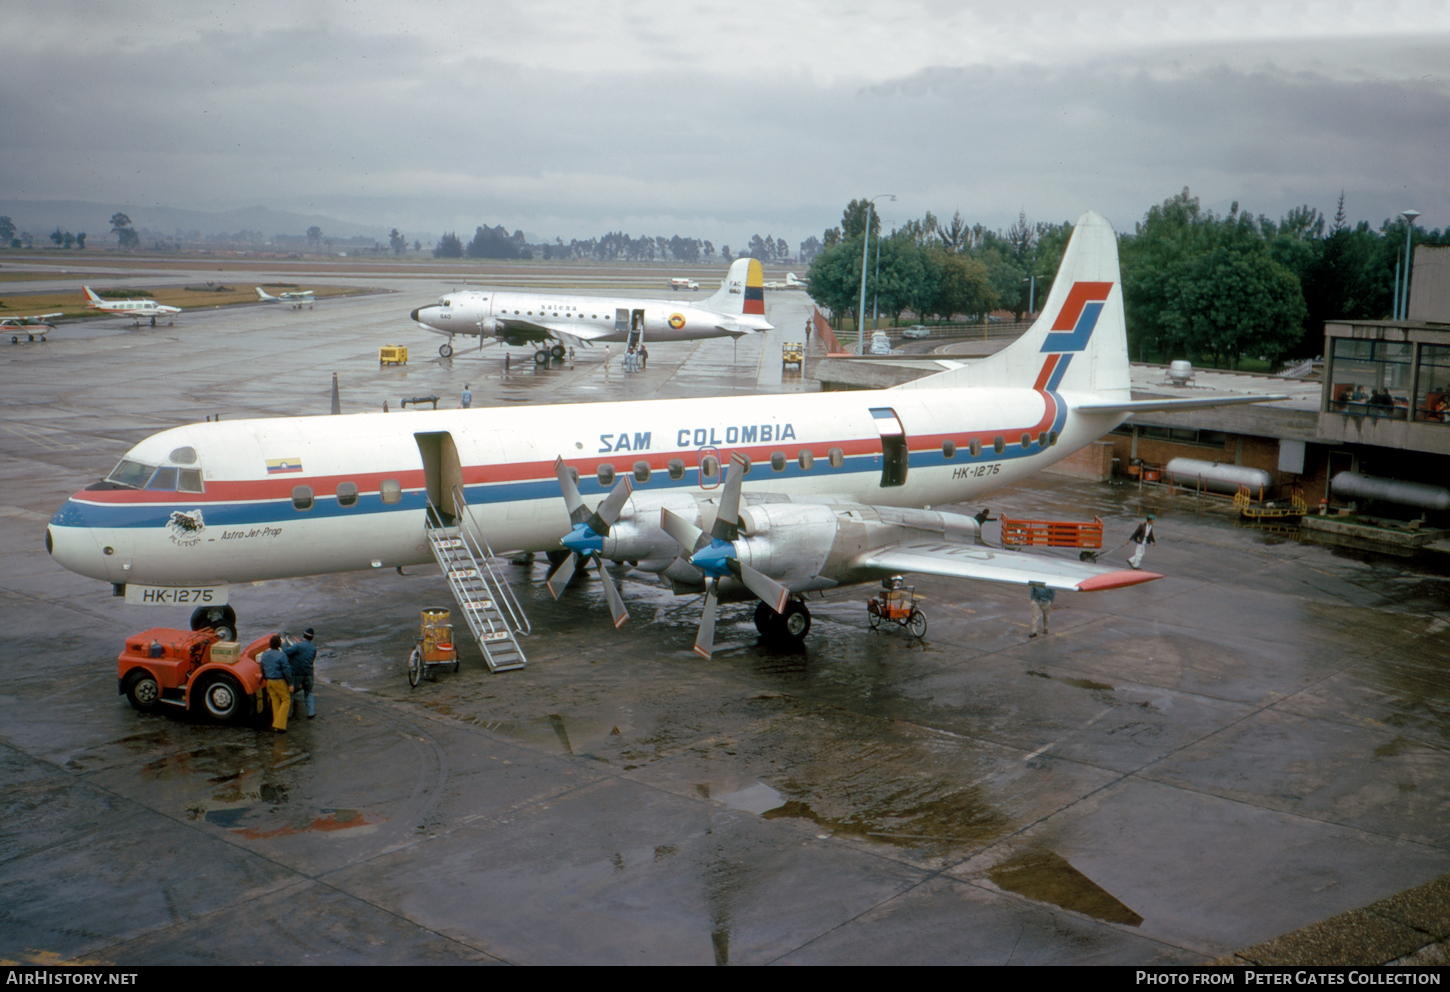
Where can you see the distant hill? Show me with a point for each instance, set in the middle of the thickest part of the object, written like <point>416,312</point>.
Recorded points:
<point>40,217</point>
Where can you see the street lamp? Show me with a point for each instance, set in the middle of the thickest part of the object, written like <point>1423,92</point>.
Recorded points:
<point>1402,301</point>
<point>865,258</point>
<point>1031,294</point>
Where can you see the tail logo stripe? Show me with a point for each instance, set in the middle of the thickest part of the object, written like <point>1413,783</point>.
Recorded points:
<point>1079,316</point>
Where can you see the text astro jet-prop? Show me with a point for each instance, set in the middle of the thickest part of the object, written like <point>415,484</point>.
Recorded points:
<point>818,490</point>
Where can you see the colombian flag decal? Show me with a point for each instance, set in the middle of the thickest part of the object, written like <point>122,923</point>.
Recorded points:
<point>677,320</point>
<point>282,466</point>
<point>755,288</point>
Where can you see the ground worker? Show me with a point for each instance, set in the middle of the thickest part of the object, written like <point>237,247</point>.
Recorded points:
<point>1142,537</point>
<point>466,400</point>
<point>1042,598</point>
<point>300,656</point>
<point>279,682</point>
<point>643,357</point>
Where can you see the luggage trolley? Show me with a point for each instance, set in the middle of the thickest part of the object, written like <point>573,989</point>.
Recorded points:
<point>897,604</point>
<point>434,645</point>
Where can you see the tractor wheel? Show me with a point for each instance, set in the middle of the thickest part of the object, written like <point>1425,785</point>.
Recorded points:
<point>222,698</point>
<point>143,691</point>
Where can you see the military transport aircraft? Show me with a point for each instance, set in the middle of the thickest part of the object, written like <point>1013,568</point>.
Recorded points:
<point>298,300</point>
<point>135,309</point>
<point>822,489</point>
<point>530,317</point>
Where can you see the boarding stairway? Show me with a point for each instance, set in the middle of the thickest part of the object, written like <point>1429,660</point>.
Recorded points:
<point>488,604</point>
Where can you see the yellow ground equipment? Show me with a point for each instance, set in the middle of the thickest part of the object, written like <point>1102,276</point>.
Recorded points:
<point>792,353</point>
<point>434,645</point>
<point>393,354</point>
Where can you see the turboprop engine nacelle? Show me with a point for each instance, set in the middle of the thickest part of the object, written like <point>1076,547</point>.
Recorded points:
<point>637,536</point>
<point>799,545</point>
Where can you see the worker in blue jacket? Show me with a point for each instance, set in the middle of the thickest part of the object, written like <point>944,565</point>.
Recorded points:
<point>300,655</point>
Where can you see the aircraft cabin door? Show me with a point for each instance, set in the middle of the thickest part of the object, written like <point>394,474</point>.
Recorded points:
<point>442,472</point>
<point>636,329</point>
<point>621,320</point>
<point>893,446</point>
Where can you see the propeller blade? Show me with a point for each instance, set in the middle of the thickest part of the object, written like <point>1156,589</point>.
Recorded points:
<point>705,639</point>
<point>611,593</point>
<point>559,577</point>
<point>771,592</point>
<point>727,518</point>
<point>686,534</point>
<point>578,512</point>
<point>608,511</point>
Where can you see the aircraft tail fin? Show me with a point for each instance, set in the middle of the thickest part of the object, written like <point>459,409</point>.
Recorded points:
<point>265,298</point>
<point>743,291</point>
<point>91,298</point>
<point>1079,343</point>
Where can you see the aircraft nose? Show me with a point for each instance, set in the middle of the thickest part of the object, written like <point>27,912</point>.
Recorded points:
<point>71,541</point>
<point>416,311</point>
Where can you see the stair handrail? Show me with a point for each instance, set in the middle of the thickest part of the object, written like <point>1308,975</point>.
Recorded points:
<point>478,621</point>
<point>475,538</point>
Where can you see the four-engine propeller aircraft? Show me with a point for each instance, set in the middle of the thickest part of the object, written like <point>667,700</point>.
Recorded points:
<point>29,326</point>
<point>533,318</point>
<point>135,309</point>
<point>298,300</point>
<point>822,489</point>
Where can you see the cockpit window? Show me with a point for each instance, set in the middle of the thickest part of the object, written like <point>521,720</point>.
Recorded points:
<point>165,478</point>
<point>189,481</point>
<point>130,473</point>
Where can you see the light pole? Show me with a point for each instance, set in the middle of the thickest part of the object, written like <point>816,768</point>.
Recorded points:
<point>1031,294</point>
<point>865,260</point>
<point>1402,303</point>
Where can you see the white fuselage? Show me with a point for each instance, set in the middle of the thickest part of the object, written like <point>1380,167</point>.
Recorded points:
<point>266,499</point>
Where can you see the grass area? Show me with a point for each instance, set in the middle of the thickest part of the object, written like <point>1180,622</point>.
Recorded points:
<point>72,303</point>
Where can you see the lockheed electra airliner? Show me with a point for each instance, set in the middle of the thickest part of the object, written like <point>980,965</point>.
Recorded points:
<point>534,318</point>
<point>768,497</point>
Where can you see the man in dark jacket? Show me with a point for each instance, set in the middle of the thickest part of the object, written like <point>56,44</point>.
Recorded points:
<point>1142,537</point>
<point>300,655</point>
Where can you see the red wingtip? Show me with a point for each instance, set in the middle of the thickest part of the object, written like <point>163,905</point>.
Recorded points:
<point>1116,580</point>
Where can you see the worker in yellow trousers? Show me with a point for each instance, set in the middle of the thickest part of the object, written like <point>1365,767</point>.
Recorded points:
<point>278,673</point>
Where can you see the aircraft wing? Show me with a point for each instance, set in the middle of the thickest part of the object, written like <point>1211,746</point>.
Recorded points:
<point>971,561</point>
<point>542,330</point>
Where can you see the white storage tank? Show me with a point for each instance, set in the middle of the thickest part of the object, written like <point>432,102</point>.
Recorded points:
<point>1218,477</point>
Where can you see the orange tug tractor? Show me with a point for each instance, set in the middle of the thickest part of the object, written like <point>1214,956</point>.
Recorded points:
<point>192,670</point>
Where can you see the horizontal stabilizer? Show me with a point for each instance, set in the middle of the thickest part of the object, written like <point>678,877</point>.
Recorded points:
<point>1169,404</point>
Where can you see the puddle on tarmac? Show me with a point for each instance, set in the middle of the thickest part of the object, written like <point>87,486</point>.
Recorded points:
<point>326,821</point>
<point>1078,683</point>
<point>758,799</point>
<point>1047,877</point>
<point>957,818</point>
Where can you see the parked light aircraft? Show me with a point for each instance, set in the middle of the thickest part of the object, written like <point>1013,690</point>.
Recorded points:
<point>29,326</point>
<point>790,282</point>
<point>825,489</point>
<point>298,300</point>
<point>135,309</point>
<point>517,318</point>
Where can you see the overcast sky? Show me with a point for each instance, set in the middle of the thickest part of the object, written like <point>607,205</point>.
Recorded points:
<point>722,120</point>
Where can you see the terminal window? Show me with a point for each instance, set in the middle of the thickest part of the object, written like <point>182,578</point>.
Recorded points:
<point>1432,391</point>
<point>1370,378</point>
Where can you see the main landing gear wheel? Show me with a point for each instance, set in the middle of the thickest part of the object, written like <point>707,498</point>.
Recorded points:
<point>415,667</point>
<point>222,698</point>
<point>445,350</point>
<point>795,622</point>
<point>541,358</point>
<point>222,619</point>
<point>143,691</point>
<point>558,352</point>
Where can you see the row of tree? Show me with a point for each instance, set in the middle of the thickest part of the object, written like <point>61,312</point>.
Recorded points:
<point>1195,284</point>
<point>615,246</point>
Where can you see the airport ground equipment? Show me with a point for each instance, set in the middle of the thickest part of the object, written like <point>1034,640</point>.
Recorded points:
<point>415,400</point>
<point>191,670</point>
<point>396,354</point>
<point>897,604</point>
<point>792,353</point>
<point>1052,533</point>
<point>434,645</point>
<point>1207,476</point>
<point>1267,513</point>
<point>492,611</point>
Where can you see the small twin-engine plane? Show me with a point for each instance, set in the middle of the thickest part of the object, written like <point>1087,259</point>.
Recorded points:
<point>29,326</point>
<point>519,318</point>
<point>298,300</point>
<point>135,309</point>
<point>818,490</point>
